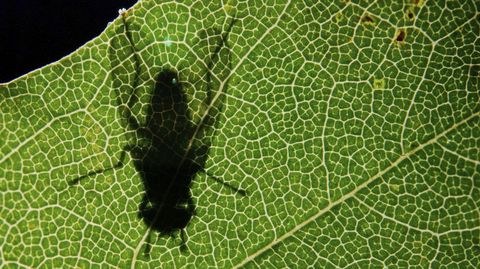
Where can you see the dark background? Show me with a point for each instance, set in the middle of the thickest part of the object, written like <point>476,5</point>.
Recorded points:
<point>34,33</point>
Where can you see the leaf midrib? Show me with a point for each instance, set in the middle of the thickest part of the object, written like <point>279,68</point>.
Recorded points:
<point>353,192</point>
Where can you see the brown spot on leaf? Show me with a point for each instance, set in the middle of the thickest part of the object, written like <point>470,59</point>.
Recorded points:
<point>367,19</point>
<point>409,13</point>
<point>417,3</point>
<point>401,35</point>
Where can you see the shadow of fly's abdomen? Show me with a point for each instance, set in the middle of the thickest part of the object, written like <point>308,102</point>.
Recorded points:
<point>167,205</point>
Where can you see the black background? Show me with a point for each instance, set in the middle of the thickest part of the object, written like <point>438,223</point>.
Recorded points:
<point>34,33</point>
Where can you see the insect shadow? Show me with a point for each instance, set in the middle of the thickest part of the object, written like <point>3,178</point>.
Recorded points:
<point>162,155</point>
<point>162,158</point>
<point>166,169</point>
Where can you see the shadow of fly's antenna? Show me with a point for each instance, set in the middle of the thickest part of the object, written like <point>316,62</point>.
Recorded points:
<point>133,98</point>
<point>214,57</point>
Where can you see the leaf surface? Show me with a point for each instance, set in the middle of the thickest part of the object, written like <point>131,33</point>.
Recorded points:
<point>353,127</point>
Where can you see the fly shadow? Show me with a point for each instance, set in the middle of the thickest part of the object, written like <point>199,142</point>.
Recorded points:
<point>165,163</point>
<point>162,153</point>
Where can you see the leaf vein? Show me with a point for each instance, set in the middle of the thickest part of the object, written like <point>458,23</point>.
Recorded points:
<point>353,192</point>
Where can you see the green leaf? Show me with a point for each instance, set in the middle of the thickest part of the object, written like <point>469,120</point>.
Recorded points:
<point>305,133</point>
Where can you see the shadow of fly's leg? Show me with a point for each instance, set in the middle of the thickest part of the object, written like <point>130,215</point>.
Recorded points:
<point>229,186</point>
<point>99,171</point>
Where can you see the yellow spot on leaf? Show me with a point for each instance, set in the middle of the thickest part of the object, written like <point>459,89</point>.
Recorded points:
<point>394,187</point>
<point>379,84</point>
<point>339,17</point>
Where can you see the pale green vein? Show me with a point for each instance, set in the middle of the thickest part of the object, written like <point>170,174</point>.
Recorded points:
<point>352,193</point>
<point>38,132</point>
<point>458,155</point>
